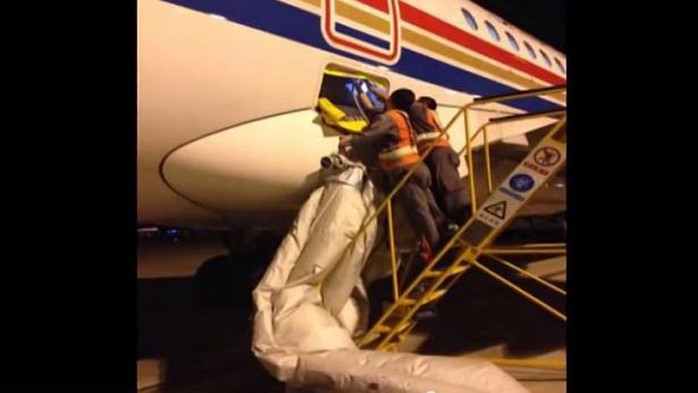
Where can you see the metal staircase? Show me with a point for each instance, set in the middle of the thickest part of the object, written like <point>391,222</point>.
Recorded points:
<point>472,241</point>
<point>468,243</point>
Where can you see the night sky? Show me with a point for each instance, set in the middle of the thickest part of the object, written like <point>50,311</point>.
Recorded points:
<point>544,19</point>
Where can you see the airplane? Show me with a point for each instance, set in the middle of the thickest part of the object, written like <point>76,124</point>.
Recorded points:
<point>229,133</point>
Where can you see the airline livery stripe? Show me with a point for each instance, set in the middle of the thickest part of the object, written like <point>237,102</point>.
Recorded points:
<point>275,17</point>
<point>441,29</point>
<point>357,15</point>
<point>347,30</point>
<point>460,37</point>
<point>465,59</point>
<point>452,34</point>
<point>380,5</point>
<point>338,39</point>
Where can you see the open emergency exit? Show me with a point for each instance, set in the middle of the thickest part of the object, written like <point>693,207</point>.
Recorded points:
<point>349,98</point>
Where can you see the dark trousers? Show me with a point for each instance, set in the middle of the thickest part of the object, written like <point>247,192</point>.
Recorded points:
<point>450,192</point>
<point>416,198</point>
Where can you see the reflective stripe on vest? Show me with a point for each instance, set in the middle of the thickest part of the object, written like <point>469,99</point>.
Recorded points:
<point>398,153</point>
<point>426,139</point>
<point>427,136</point>
<point>404,153</point>
<point>425,142</point>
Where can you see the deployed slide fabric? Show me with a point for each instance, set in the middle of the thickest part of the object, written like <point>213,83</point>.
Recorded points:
<point>311,303</point>
<point>392,372</point>
<point>311,297</point>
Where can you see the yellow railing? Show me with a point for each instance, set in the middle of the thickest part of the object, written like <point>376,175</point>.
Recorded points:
<point>483,128</point>
<point>468,150</point>
<point>387,205</point>
<point>534,249</point>
<point>396,322</point>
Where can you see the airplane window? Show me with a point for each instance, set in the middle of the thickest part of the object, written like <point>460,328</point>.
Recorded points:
<point>348,99</point>
<point>469,18</point>
<point>512,41</point>
<point>545,57</point>
<point>530,50</point>
<point>492,31</point>
<point>559,64</point>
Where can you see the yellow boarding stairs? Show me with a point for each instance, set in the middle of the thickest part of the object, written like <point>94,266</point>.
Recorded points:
<point>472,240</point>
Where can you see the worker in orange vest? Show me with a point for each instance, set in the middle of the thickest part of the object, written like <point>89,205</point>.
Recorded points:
<point>390,137</point>
<point>448,189</point>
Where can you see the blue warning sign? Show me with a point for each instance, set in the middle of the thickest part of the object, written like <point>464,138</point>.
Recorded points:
<point>521,182</point>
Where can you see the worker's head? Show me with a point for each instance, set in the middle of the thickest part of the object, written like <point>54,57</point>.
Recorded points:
<point>428,102</point>
<point>402,99</point>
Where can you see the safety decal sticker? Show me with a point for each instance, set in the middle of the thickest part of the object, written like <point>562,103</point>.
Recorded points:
<point>521,182</point>
<point>498,209</point>
<point>536,168</point>
<point>547,156</point>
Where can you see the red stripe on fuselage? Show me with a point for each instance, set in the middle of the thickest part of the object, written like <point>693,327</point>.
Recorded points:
<point>362,48</point>
<point>381,5</point>
<point>451,33</point>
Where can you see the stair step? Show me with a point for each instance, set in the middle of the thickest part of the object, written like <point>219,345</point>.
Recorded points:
<point>389,328</point>
<point>437,273</point>
<point>428,299</point>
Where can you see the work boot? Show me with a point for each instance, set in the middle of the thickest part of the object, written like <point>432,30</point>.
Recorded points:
<point>427,311</point>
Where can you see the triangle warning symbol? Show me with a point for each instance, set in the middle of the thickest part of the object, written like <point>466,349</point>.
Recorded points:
<point>498,209</point>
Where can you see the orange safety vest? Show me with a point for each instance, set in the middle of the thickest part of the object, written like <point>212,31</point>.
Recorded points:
<point>426,139</point>
<point>404,152</point>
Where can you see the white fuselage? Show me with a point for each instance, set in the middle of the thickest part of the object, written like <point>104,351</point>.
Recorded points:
<point>227,131</point>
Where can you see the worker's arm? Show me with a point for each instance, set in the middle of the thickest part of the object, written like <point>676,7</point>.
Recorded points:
<point>380,132</point>
<point>366,102</point>
<point>376,135</point>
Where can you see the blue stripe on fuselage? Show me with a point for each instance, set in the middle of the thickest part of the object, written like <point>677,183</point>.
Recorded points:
<point>375,41</point>
<point>298,25</point>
